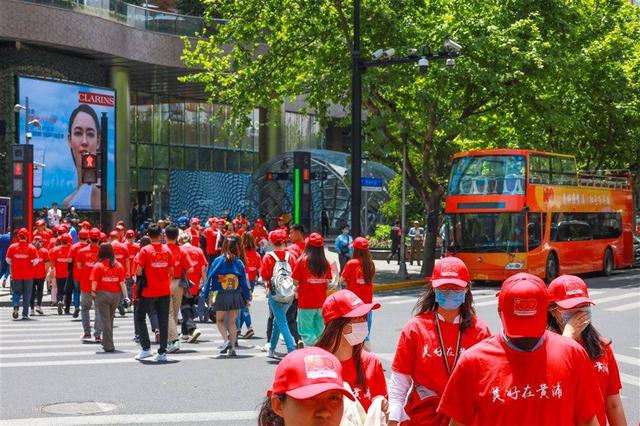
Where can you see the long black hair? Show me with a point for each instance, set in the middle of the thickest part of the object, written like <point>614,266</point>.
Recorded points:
<point>427,303</point>
<point>267,417</point>
<point>232,248</point>
<point>316,260</point>
<point>105,252</point>
<point>591,339</point>
<point>330,340</point>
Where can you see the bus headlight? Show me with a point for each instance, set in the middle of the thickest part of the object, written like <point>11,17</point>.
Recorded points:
<point>514,266</point>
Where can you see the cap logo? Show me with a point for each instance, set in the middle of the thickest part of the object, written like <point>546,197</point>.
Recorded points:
<point>355,300</point>
<point>572,288</point>
<point>525,307</point>
<point>319,366</point>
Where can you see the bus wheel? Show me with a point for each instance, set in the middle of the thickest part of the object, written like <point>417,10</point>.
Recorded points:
<point>607,264</point>
<point>551,271</point>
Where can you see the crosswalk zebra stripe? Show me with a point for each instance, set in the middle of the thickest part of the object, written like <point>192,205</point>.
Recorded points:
<point>629,379</point>
<point>616,297</point>
<point>628,359</point>
<point>627,307</point>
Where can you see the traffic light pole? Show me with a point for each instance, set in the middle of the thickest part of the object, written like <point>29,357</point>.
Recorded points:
<point>104,122</point>
<point>356,117</point>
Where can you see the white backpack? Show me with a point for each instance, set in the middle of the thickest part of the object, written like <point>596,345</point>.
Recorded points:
<point>282,287</point>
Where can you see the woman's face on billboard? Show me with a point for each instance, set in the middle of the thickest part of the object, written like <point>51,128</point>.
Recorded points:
<point>84,135</point>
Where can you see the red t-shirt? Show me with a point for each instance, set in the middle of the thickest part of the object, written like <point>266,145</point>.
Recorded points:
<point>46,235</point>
<point>195,237</point>
<point>22,255</point>
<point>297,249</point>
<point>40,270</point>
<point>374,378</point>
<point>268,262</point>
<point>87,257</point>
<point>157,261</point>
<point>133,249</point>
<point>107,277</point>
<point>260,233</point>
<point>61,258</point>
<point>253,264</point>
<point>181,260</point>
<point>211,239</point>
<point>352,274</point>
<point>608,377</point>
<point>196,256</point>
<point>52,243</point>
<point>419,355</point>
<point>493,384</point>
<point>312,290</point>
<point>121,253</point>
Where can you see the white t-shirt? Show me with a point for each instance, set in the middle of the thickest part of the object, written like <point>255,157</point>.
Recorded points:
<point>54,217</point>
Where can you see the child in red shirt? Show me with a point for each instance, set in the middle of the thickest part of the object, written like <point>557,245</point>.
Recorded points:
<point>254,262</point>
<point>39,275</point>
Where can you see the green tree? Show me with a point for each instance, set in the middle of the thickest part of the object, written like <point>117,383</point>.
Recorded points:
<point>555,75</point>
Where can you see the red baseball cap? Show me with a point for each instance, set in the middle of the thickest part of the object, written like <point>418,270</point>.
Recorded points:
<point>308,372</point>
<point>120,227</point>
<point>114,234</point>
<point>64,228</point>
<point>40,222</point>
<point>37,238</point>
<point>23,232</point>
<point>65,238</point>
<point>259,221</point>
<point>281,219</point>
<point>103,236</point>
<point>56,228</point>
<point>523,303</point>
<point>85,224</point>
<point>94,234</point>
<point>361,243</point>
<point>568,291</point>
<point>83,234</point>
<point>345,304</point>
<point>130,233</point>
<point>221,221</point>
<point>450,270</point>
<point>315,240</point>
<point>277,236</point>
<point>194,220</point>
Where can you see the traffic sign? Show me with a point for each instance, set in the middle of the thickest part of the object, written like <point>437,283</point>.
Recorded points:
<point>371,184</point>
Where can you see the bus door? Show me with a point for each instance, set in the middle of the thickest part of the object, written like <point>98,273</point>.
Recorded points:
<point>536,253</point>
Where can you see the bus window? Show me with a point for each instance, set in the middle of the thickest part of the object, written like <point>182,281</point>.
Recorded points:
<point>600,226</point>
<point>535,227</point>
<point>487,232</point>
<point>563,171</point>
<point>539,169</point>
<point>490,174</point>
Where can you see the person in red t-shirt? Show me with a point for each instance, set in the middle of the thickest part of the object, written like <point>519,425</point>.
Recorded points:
<point>525,374</point>
<point>312,276</point>
<point>195,230</point>
<point>39,275</point>
<point>121,253</point>
<point>254,262</point>
<point>85,260</point>
<point>190,332</point>
<point>570,315</point>
<point>296,236</point>
<point>72,287</point>
<point>181,263</point>
<point>282,225</point>
<point>155,261</point>
<point>357,276</point>
<point>213,238</point>
<point>60,257</point>
<point>261,235</point>
<point>445,325</point>
<point>43,231</point>
<point>345,318</point>
<point>132,248</point>
<point>107,284</point>
<point>22,256</point>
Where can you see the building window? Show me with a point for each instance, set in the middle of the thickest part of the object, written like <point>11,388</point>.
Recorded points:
<point>145,155</point>
<point>191,158</point>
<point>160,156</point>
<point>176,121</point>
<point>191,123</point>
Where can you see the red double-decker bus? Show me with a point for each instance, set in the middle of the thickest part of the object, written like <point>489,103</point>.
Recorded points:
<point>513,210</point>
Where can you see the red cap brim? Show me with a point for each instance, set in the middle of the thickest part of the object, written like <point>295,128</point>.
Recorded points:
<point>445,281</point>
<point>309,391</point>
<point>362,310</point>
<point>528,327</point>
<point>573,302</point>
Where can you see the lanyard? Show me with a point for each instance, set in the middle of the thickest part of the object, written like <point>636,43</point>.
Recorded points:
<point>443,350</point>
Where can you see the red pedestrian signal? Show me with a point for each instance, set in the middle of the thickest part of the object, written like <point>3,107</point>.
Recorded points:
<point>17,169</point>
<point>89,161</point>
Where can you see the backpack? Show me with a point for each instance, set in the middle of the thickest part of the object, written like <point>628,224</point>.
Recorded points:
<point>282,287</point>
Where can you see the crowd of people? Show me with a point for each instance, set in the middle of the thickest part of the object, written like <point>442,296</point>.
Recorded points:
<point>547,365</point>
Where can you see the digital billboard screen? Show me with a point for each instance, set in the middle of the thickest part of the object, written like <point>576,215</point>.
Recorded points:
<point>69,118</point>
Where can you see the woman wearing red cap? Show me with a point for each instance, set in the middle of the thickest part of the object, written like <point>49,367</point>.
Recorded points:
<point>570,315</point>
<point>345,318</point>
<point>39,275</point>
<point>254,262</point>
<point>60,261</point>
<point>307,389</point>
<point>311,276</point>
<point>358,274</point>
<point>430,345</point>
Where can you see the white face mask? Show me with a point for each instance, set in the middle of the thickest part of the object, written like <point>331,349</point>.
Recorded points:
<point>359,332</point>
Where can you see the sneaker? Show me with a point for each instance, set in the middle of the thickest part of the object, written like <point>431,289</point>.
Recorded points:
<point>173,347</point>
<point>265,348</point>
<point>194,336</point>
<point>98,339</point>
<point>224,344</point>
<point>60,308</point>
<point>121,310</point>
<point>300,344</point>
<point>161,357</point>
<point>15,312</point>
<point>143,354</point>
<point>249,334</point>
<point>32,312</point>
<point>271,353</point>
<point>136,339</point>
<point>232,353</point>
<point>85,336</point>
<point>184,337</point>
<point>157,333</point>
<point>25,317</point>
<point>130,309</point>
<point>226,349</point>
<point>76,312</point>
<point>67,312</point>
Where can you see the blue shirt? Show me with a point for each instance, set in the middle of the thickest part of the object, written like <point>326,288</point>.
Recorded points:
<point>74,234</point>
<point>343,245</point>
<point>5,242</point>
<point>234,278</point>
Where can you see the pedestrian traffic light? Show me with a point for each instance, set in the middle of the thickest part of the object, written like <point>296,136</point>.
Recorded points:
<point>22,186</point>
<point>302,188</point>
<point>89,168</point>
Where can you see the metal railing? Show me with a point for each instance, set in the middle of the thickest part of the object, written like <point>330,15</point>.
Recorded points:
<point>135,16</point>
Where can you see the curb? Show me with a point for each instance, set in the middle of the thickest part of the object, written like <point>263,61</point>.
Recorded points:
<point>379,288</point>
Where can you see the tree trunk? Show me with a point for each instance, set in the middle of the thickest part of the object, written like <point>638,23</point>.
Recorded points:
<point>429,254</point>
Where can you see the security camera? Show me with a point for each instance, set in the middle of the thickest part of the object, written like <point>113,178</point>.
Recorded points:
<point>35,122</point>
<point>423,64</point>
<point>17,108</point>
<point>389,53</point>
<point>377,54</point>
<point>452,46</point>
<point>412,52</point>
<point>29,135</point>
<point>450,63</point>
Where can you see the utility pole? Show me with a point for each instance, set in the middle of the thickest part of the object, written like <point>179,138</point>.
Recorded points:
<point>356,117</point>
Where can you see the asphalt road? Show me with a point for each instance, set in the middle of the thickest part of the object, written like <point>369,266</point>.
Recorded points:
<point>43,362</point>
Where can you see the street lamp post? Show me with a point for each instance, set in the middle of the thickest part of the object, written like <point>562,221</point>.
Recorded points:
<point>403,219</point>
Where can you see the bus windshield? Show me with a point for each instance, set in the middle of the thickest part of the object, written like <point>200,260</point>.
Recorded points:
<point>488,174</point>
<point>486,232</point>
